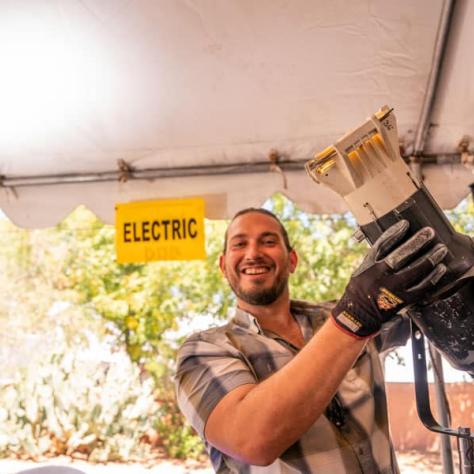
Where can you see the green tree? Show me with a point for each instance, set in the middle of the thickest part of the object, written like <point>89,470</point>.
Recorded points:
<point>149,308</point>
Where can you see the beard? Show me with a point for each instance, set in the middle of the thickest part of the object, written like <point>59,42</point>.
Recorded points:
<point>261,296</point>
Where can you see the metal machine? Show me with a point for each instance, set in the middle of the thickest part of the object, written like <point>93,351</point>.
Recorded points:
<point>365,167</point>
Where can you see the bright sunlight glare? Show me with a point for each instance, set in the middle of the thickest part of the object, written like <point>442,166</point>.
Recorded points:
<point>53,70</point>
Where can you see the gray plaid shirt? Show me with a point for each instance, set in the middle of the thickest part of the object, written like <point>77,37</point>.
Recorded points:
<point>351,437</point>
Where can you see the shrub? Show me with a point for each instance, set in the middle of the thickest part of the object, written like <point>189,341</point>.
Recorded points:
<point>74,404</point>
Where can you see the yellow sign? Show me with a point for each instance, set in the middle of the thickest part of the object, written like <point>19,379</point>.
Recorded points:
<point>169,229</point>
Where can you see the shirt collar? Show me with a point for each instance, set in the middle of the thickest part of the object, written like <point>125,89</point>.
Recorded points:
<point>301,312</point>
<point>247,321</point>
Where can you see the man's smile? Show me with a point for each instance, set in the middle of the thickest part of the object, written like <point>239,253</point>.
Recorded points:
<point>257,270</point>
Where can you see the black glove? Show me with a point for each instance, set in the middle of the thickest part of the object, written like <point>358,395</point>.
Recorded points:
<point>391,277</point>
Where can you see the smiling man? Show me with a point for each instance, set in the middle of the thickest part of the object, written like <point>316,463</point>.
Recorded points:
<point>293,387</point>
<point>261,278</point>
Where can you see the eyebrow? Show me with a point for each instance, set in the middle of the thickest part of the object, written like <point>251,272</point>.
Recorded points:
<point>263,235</point>
<point>270,234</point>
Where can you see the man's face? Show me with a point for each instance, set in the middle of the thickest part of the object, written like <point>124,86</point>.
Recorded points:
<point>257,263</point>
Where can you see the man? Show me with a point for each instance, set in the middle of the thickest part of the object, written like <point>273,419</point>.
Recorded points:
<point>291,387</point>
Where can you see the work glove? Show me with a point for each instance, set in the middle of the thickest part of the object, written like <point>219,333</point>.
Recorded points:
<point>392,276</point>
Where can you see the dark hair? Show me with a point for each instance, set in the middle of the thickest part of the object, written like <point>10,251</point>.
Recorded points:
<point>260,210</point>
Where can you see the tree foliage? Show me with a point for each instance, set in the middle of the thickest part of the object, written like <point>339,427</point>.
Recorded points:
<point>67,277</point>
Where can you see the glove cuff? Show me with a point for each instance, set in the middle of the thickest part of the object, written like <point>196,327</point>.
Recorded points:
<point>347,331</point>
<point>354,322</point>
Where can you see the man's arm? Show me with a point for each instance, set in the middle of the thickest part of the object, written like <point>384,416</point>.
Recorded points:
<point>256,423</point>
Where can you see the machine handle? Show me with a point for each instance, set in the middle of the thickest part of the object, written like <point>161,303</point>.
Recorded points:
<point>422,393</point>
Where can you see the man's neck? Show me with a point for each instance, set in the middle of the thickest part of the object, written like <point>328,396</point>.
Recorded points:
<point>278,311</point>
<point>276,317</point>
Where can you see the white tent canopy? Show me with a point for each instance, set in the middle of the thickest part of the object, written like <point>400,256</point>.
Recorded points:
<point>113,101</point>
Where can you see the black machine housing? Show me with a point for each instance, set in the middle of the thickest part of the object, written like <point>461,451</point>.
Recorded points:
<point>447,319</point>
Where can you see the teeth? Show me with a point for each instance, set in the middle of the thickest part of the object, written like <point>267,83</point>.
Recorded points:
<point>255,270</point>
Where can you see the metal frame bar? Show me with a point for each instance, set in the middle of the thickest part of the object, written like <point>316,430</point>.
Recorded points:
<point>183,172</point>
<point>422,391</point>
<point>439,54</point>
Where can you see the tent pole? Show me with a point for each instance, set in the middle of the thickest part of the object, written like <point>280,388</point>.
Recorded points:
<point>424,122</point>
<point>296,165</point>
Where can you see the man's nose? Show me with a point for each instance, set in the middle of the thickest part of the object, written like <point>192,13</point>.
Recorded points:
<point>253,251</point>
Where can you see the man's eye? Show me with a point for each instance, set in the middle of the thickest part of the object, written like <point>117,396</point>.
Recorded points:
<point>238,245</point>
<point>269,242</point>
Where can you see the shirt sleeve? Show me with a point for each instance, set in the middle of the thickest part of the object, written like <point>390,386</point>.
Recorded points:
<point>206,372</point>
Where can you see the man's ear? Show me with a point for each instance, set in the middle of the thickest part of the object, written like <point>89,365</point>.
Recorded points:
<point>222,264</point>
<point>293,257</point>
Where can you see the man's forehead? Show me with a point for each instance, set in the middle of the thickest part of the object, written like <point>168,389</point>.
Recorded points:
<point>253,222</point>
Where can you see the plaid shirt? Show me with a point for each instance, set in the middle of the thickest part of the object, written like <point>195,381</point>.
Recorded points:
<point>351,437</point>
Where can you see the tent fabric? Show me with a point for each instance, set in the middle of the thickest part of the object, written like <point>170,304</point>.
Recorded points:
<point>167,84</point>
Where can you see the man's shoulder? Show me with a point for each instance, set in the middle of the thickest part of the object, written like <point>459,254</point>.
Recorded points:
<point>211,334</point>
<point>206,341</point>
